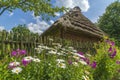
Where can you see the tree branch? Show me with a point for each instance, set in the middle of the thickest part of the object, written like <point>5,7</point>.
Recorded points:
<point>3,10</point>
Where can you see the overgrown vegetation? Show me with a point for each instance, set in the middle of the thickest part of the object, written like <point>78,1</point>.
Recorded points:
<point>58,62</point>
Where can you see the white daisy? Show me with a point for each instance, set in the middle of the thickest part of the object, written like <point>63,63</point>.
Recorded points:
<point>40,46</point>
<point>87,72</point>
<point>56,44</point>
<point>75,63</point>
<point>88,55</point>
<point>74,51</point>
<point>45,47</point>
<point>17,70</point>
<point>76,57</point>
<point>63,49</point>
<point>60,60</point>
<point>52,52</point>
<point>36,60</point>
<point>62,52</point>
<point>71,48</point>
<point>59,46</point>
<point>14,63</point>
<point>85,77</point>
<point>28,58</point>
<point>82,56</point>
<point>61,65</point>
<point>83,62</point>
<point>52,49</point>
<point>39,50</point>
<point>59,53</point>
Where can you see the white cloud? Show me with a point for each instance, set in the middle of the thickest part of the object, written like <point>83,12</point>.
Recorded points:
<point>2,28</point>
<point>83,4</point>
<point>35,17</point>
<point>57,14</point>
<point>11,13</point>
<point>51,21</point>
<point>39,27</point>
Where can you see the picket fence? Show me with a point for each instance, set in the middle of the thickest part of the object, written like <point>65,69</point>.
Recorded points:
<point>12,41</point>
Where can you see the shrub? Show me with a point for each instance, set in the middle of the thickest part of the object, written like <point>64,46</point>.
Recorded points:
<point>106,57</point>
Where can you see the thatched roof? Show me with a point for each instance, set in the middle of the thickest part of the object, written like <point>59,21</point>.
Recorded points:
<point>75,21</point>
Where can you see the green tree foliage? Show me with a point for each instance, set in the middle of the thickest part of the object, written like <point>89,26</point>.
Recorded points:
<point>39,7</point>
<point>109,22</point>
<point>21,32</point>
<point>21,29</point>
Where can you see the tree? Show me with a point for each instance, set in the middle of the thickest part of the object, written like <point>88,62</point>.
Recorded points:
<point>109,22</point>
<point>21,32</point>
<point>21,29</point>
<point>39,7</point>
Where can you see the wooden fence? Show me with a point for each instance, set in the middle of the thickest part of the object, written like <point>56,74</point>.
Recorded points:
<point>11,41</point>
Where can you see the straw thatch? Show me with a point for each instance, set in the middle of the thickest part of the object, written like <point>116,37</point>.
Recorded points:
<point>74,25</point>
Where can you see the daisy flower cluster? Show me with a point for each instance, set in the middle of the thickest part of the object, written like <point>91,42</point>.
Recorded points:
<point>16,66</point>
<point>71,55</point>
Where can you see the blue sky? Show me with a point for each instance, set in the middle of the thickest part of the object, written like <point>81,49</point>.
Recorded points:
<point>92,9</point>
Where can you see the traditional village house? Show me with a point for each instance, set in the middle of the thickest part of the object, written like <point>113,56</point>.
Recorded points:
<point>74,25</point>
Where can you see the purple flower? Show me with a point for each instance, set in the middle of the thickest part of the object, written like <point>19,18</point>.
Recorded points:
<point>118,62</point>
<point>113,54</point>
<point>81,53</point>
<point>110,49</point>
<point>25,62</point>
<point>23,52</point>
<point>86,60</point>
<point>112,43</point>
<point>14,53</point>
<point>70,62</point>
<point>94,64</point>
<point>13,64</point>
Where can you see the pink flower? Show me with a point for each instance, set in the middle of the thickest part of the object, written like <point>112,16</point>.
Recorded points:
<point>118,62</point>
<point>113,54</point>
<point>81,53</point>
<point>23,52</point>
<point>13,64</point>
<point>18,52</point>
<point>25,62</point>
<point>86,60</point>
<point>110,49</point>
<point>14,53</point>
<point>112,43</point>
<point>94,64</point>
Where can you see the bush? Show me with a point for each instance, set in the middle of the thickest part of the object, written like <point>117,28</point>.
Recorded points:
<point>107,59</point>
